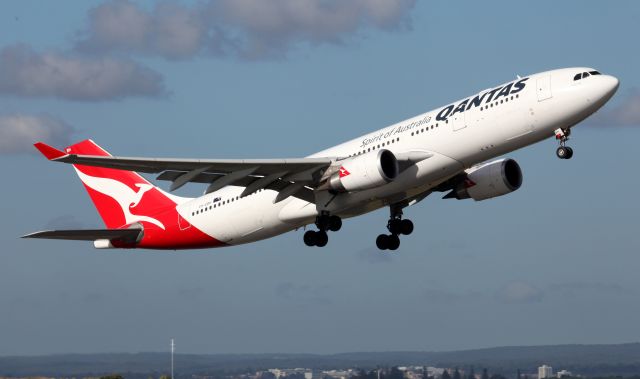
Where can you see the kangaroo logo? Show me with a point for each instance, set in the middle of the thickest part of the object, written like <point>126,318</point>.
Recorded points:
<point>122,194</point>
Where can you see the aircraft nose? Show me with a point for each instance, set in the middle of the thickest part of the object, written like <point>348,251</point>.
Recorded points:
<point>610,85</point>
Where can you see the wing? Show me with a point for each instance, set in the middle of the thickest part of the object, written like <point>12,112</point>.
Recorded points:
<point>88,234</point>
<point>290,177</point>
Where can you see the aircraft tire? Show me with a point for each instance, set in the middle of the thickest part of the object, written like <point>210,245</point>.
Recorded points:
<point>562,152</point>
<point>570,153</point>
<point>395,226</point>
<point>310,238</point>
<point>335,223</point>
<point>381,242</point>
<point>393,242</point>
<point>321,238</point>
<point>406,227</point>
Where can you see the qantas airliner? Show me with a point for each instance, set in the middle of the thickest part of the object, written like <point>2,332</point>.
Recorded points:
<point>452,149</point>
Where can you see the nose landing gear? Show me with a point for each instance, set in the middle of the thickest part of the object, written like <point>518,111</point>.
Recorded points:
<point>325,222</point>
<point>563,152</point>
<point>396,226</point>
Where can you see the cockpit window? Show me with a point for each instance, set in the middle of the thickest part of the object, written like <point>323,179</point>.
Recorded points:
<point>585,75</point>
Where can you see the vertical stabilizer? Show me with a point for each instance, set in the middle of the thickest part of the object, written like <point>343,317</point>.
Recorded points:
<point>121,197</point>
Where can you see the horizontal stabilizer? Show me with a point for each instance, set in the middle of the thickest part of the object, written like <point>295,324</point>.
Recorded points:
<point>49,152</point>
<point>88,234</point>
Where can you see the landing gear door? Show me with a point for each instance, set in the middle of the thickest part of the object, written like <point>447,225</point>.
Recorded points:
<point>543,87</point>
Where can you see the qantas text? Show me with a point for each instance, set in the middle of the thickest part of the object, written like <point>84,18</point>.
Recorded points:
<point>487,97</point>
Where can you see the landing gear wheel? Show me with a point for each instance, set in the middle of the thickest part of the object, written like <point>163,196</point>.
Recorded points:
<point>335,223</point>
<point>321,239</point>
<point>393,242</point>
<point>381,242</point>
<point>395,226</point>
<point>563,152</point>
<point>570,154</point>
<point>406,227</point>
<point>310,238</point>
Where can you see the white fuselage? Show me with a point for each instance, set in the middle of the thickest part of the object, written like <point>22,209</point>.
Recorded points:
<point>456,140</point>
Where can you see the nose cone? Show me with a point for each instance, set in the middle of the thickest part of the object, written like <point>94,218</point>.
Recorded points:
<point>609,86</point>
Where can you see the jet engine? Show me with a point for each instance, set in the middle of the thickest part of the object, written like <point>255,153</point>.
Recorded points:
<point>488,180</point>
<point>364,172</point>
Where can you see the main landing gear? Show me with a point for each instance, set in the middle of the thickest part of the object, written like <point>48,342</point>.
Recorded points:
<point>563,152</point>
<point>396,226</point>
<point>324,222</point>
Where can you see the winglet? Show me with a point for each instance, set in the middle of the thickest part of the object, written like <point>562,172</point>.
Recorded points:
<point>49,152</point>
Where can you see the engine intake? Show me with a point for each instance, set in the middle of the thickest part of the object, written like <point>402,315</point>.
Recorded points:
<point>489,180</point>
<point>364,172</point>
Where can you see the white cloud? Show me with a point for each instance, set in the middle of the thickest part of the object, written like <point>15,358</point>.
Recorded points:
<point>244,28</point>
<point>170,29</point>
<point>25,72</point>
<point>18,132</point>
<point>519,292</point>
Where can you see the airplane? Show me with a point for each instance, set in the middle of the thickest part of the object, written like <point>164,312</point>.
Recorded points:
<point>451,149</point>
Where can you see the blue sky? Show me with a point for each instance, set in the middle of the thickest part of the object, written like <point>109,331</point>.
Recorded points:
<point>555,262</point>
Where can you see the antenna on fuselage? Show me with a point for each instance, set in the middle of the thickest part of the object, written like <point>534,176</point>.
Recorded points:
<point>173,348</point>
<point>518,76</point>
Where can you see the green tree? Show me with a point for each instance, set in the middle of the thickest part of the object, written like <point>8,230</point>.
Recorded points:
<point>456,374</point>
<point>485,374</point>
<point>112,376</point>
<point>472,374</point>
<point>445,375</point>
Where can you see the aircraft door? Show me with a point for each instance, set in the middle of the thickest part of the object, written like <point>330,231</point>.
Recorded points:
<point>459,121</point>
<point>543,87</point>
<point>183,223</point>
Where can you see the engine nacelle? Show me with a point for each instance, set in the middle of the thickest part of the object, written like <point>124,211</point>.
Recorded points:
<point>364,172</point>
<point>489,180</point>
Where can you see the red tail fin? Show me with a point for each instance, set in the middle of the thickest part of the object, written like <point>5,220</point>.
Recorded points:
<point>121,197</point>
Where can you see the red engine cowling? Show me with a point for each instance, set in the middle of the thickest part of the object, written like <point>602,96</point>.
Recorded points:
<point>489,180</point>
<point>364,172</point>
